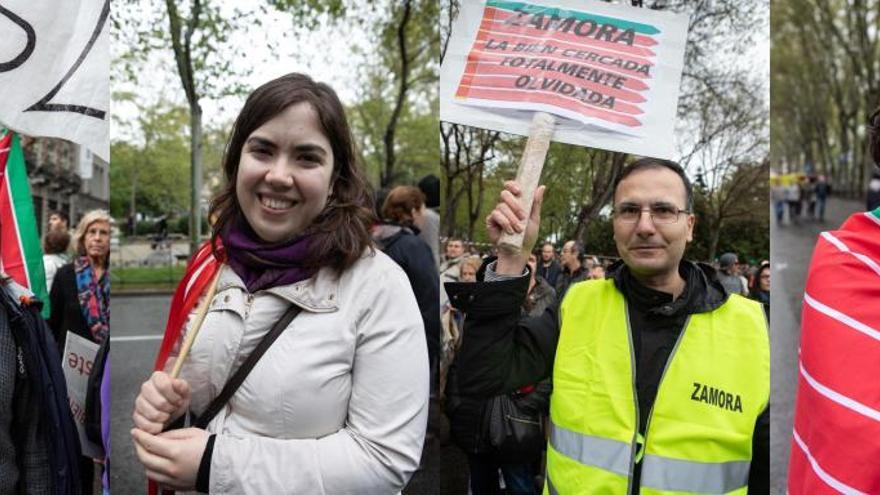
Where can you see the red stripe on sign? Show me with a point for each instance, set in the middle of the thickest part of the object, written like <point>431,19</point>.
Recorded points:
<point>564,101</point>
<point>838,439</point>
<point>465,84</point>
<point>496,26</point>
<point>488,61</point>
<point>502,15</point>
<point>554,99</point>
<point>505,76</point>
<point>526,46</point>
<point>507,81</point>
<point>839,356</point>
<point>11,255</point>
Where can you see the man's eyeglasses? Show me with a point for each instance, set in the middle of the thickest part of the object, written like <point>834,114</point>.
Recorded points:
<point>660,214</point>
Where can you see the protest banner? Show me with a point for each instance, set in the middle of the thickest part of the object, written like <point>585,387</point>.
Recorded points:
<point>20,254</point>
<point>611,72</point>
<point>77,363</point>
<point>54,70</point>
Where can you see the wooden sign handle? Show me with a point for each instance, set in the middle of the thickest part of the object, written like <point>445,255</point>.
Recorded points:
<point>528,175</point>
<point>197,325</point>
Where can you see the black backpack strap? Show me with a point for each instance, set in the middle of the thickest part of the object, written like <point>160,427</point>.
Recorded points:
<point>238,378</point>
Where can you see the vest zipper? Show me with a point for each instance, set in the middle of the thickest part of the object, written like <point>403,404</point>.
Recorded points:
<point>660,383</point>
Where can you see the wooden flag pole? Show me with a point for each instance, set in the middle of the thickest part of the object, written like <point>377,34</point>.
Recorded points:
<point>197,325</point>
<point>529,173</point>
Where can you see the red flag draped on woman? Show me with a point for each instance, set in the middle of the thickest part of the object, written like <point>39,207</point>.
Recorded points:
<point>835,443</point>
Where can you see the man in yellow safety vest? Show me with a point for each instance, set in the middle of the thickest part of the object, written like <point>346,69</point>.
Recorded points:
<point>661,379</point>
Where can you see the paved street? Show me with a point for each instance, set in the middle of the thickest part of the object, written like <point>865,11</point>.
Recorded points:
<point>134,317</point>
<point>791,248</point>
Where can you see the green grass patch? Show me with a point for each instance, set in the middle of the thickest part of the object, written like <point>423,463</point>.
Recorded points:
<point>146,277</point>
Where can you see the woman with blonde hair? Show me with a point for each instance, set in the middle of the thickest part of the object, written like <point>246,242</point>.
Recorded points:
<point>80,296</point>
<point>337,402</point>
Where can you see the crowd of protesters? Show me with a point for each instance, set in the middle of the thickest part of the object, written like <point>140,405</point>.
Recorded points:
<point>803,199</point>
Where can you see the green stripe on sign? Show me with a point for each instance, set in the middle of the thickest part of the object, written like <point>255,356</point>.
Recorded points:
<point>875,213</point>
<point>29,235</point>
<point>538,9</point>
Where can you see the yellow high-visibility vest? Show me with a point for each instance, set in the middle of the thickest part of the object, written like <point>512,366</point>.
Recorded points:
<point>699,433</point>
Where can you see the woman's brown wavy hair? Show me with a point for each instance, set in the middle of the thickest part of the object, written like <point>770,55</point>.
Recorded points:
<point>341,232</point>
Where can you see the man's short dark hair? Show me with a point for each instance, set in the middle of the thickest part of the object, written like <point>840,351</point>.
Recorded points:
<point>60,214</point>
<point>655,163</point>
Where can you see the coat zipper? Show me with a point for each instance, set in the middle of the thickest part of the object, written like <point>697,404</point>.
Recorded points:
<point>635,440</point>
<point>659,385</point>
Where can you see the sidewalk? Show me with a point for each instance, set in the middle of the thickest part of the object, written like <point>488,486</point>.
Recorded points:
<point>791,248</point>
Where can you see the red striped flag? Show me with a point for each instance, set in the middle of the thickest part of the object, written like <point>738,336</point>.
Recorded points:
<point>837,413</point>
<point>199,273</point>
<point>21,256</point>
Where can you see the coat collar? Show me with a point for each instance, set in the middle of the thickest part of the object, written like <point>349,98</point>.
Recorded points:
<point>319,294</point>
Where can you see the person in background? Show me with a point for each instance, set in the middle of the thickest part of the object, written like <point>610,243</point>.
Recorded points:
<point>404,214</point>
<point>430,229</point>
<point>572,269</point>
<point>453,254</point>
<point>760,290</point>
<point>540,295</point>
<point>80,296</point>
<point>55,244</point>
<point>728,274</point>
<point>549,268</point>
<point>822,189</point>
<point>598,272</point>
<point>58,220</point>
<point>468,268</point>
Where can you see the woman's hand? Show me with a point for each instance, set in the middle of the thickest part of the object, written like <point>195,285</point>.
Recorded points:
<point>172,458</point>
<point>162,399</point>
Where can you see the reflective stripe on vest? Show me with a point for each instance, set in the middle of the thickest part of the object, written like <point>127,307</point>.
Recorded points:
<point>698,440</point>
<point>690,476</point>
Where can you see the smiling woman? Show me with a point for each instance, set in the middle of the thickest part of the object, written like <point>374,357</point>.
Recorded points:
<point>338,401</point>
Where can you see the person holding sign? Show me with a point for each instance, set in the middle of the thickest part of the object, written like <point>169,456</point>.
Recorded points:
<point>338,402</point>
<point>80,302</point>
<point>661,379</point>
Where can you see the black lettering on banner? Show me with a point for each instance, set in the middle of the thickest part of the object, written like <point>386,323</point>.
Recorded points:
<point>29,45</point>
<point>44,106</point>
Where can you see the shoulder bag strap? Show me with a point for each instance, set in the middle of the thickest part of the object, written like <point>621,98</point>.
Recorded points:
<point>238,378</point>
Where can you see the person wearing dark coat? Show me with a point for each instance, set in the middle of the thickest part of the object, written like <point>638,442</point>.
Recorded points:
<point>501,350</point>
<point>80,297</point>
<point>398,238</point>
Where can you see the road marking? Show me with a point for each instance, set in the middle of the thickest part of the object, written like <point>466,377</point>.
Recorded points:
<point>135,338</point>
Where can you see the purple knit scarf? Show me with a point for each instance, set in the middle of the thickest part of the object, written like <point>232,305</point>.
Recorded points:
<point>262,265</point>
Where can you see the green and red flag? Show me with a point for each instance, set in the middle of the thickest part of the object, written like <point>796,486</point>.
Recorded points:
<point>21,256</point>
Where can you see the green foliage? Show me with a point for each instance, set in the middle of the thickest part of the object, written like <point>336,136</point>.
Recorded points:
<point>157,169</point>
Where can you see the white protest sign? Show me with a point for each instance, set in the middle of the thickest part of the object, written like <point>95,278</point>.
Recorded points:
<point>77,363</point>
<point>55,70</point>
<point>611,72</point>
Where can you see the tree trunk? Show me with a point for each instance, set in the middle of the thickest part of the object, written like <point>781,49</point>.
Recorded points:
<point>391,128</point>
<point>195,212</point>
